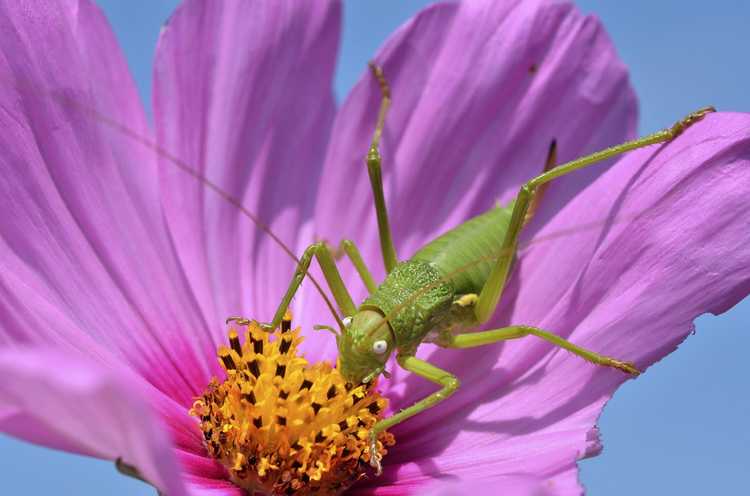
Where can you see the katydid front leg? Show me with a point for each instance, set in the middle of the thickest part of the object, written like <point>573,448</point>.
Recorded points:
<point>332,275</point>
<point>489,297</point>
<point>449,384</point>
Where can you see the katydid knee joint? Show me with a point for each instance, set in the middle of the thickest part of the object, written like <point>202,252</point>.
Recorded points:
<point>451,384</point>
<point>373,158</point>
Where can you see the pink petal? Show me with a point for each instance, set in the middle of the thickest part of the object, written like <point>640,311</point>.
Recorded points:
<point>243,95</point>
<point>623,269</point>
<point>205,476</point>
<point>81,238</point>
<point>86,408</point>
<point>517,485</point>
<point>469,120</point>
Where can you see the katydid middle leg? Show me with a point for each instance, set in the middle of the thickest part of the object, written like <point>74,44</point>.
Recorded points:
<point>351,250</point>
<point>424,369</point>
<point>489,297</point>
<point>374,160</point>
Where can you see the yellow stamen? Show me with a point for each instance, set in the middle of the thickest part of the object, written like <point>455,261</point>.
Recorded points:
<point>282,426</point>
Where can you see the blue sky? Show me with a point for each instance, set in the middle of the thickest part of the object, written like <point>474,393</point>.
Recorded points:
<point>680,428</point>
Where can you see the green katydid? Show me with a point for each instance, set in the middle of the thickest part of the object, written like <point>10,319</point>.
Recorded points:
<point>448,286</point>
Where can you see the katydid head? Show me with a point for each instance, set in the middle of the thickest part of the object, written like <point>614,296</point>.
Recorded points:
<point>364,346</point>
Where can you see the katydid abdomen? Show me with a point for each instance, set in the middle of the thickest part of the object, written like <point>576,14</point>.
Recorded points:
<point>467,253</point>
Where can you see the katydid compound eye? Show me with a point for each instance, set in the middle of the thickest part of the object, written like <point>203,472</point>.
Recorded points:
<point>380,347</point>
<point>347,321</point>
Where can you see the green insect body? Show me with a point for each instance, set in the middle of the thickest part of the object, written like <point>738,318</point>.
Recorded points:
<point>450,285</point>
<point>437,310</point>
<point>431,310</point>
<point>424,301</point>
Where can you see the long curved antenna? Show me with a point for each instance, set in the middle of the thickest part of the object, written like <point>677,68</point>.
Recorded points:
<point>186,168</point>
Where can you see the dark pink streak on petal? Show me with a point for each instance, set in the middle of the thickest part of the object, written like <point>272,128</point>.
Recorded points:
<point>243,95</point>
<point>479,91</point>
<point>80,405</point>
<point>81,233</point>
<point>628,264</point>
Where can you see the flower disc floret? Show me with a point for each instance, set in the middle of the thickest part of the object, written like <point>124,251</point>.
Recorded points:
<point>282,426</point>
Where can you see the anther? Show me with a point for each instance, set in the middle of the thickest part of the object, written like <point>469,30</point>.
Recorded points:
<point>331,392</point>
<point>234,342</point>
<point>280,370</point>
<point>286,325</point>
<point>227,360</point>
<point>254,368</point>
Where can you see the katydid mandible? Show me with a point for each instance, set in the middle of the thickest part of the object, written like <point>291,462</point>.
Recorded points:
<point>438,293</point>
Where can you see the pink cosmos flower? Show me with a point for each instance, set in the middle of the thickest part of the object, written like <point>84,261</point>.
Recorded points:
<point>118,268</point>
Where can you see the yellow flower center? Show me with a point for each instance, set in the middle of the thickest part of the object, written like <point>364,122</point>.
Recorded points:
<point>282,426</point>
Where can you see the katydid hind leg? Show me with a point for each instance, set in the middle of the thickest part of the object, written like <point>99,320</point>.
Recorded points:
<point>549,164</point>
<point>481,338</point>
<point>374,170</point>
<point>490,295</point>
<point>448,382</point>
